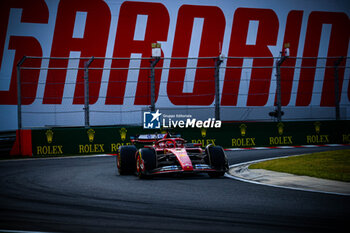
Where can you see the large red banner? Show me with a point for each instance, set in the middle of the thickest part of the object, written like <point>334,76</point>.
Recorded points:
<point>121,29</point>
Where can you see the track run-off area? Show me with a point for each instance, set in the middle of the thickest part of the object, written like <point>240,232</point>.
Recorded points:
<point>86,194</point>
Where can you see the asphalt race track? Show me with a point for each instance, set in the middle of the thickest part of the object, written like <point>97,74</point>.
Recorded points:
<point>86,195</point>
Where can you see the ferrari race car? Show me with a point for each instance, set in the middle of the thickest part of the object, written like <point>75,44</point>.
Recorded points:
<point>166,154</point>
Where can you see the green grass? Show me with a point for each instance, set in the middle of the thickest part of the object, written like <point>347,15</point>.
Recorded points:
<point>333,165</point>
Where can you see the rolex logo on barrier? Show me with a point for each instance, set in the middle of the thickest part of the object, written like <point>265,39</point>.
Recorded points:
<point>203,132</point>
<point>122,132</point>
<point>91,148</point>
<point>49,135</point>
<point>317,138</point>
<point>280,140</point>
<point>162,130</point>
<point>91,134</point>
<point>280,127</point>
<point>243,128</point>
<point>204,142</point>
<point>115,146</point>
<point>243,141</point>
<point>317,125</point>
<point>49,149</point>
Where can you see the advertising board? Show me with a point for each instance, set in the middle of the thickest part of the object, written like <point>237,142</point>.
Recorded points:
<point>107,140</point>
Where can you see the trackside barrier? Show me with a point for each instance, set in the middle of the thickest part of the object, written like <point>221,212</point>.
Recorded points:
<point>23,143</point>
<point>100,140</point>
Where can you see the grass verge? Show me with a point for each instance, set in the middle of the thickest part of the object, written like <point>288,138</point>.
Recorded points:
<point>333,165</point>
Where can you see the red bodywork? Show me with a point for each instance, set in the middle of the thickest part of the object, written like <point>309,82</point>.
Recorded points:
<point>176,147</point>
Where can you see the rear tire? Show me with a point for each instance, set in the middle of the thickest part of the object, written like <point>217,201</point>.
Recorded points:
<point>126,162</point>
<point>217,159</point>
<point>146,161</point>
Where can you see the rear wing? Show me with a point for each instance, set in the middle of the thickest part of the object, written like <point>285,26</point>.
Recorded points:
<point>150,138</point>
<point>147,138</point>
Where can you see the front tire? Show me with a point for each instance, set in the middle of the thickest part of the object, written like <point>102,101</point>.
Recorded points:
<point>126,160</point>
<point>146,161</point>
<point>217,159</point>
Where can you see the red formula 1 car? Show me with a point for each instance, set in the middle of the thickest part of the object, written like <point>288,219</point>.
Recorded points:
<point>168,154</point>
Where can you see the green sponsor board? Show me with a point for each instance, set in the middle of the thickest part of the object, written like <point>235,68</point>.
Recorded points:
<point>95,140</point>
<point>100,140</point>
<point>257,134</point>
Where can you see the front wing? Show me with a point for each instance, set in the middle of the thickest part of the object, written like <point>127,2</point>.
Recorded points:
<point>197,168</point>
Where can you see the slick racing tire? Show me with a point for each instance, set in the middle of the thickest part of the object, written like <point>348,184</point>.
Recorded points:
<point>217,159</point>
<point>126,160</point>
<point>146,161</point>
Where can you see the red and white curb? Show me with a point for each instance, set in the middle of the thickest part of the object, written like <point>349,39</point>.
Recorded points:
<point>285,147</point>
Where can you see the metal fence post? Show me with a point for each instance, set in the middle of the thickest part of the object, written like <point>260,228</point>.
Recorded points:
<point>153,85</point>
<point>86,91</point>
<point>218,62</point>
<point>336,87</point>
<point>278,88</point>
<point>19,96</point>
<point>19,103</point>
